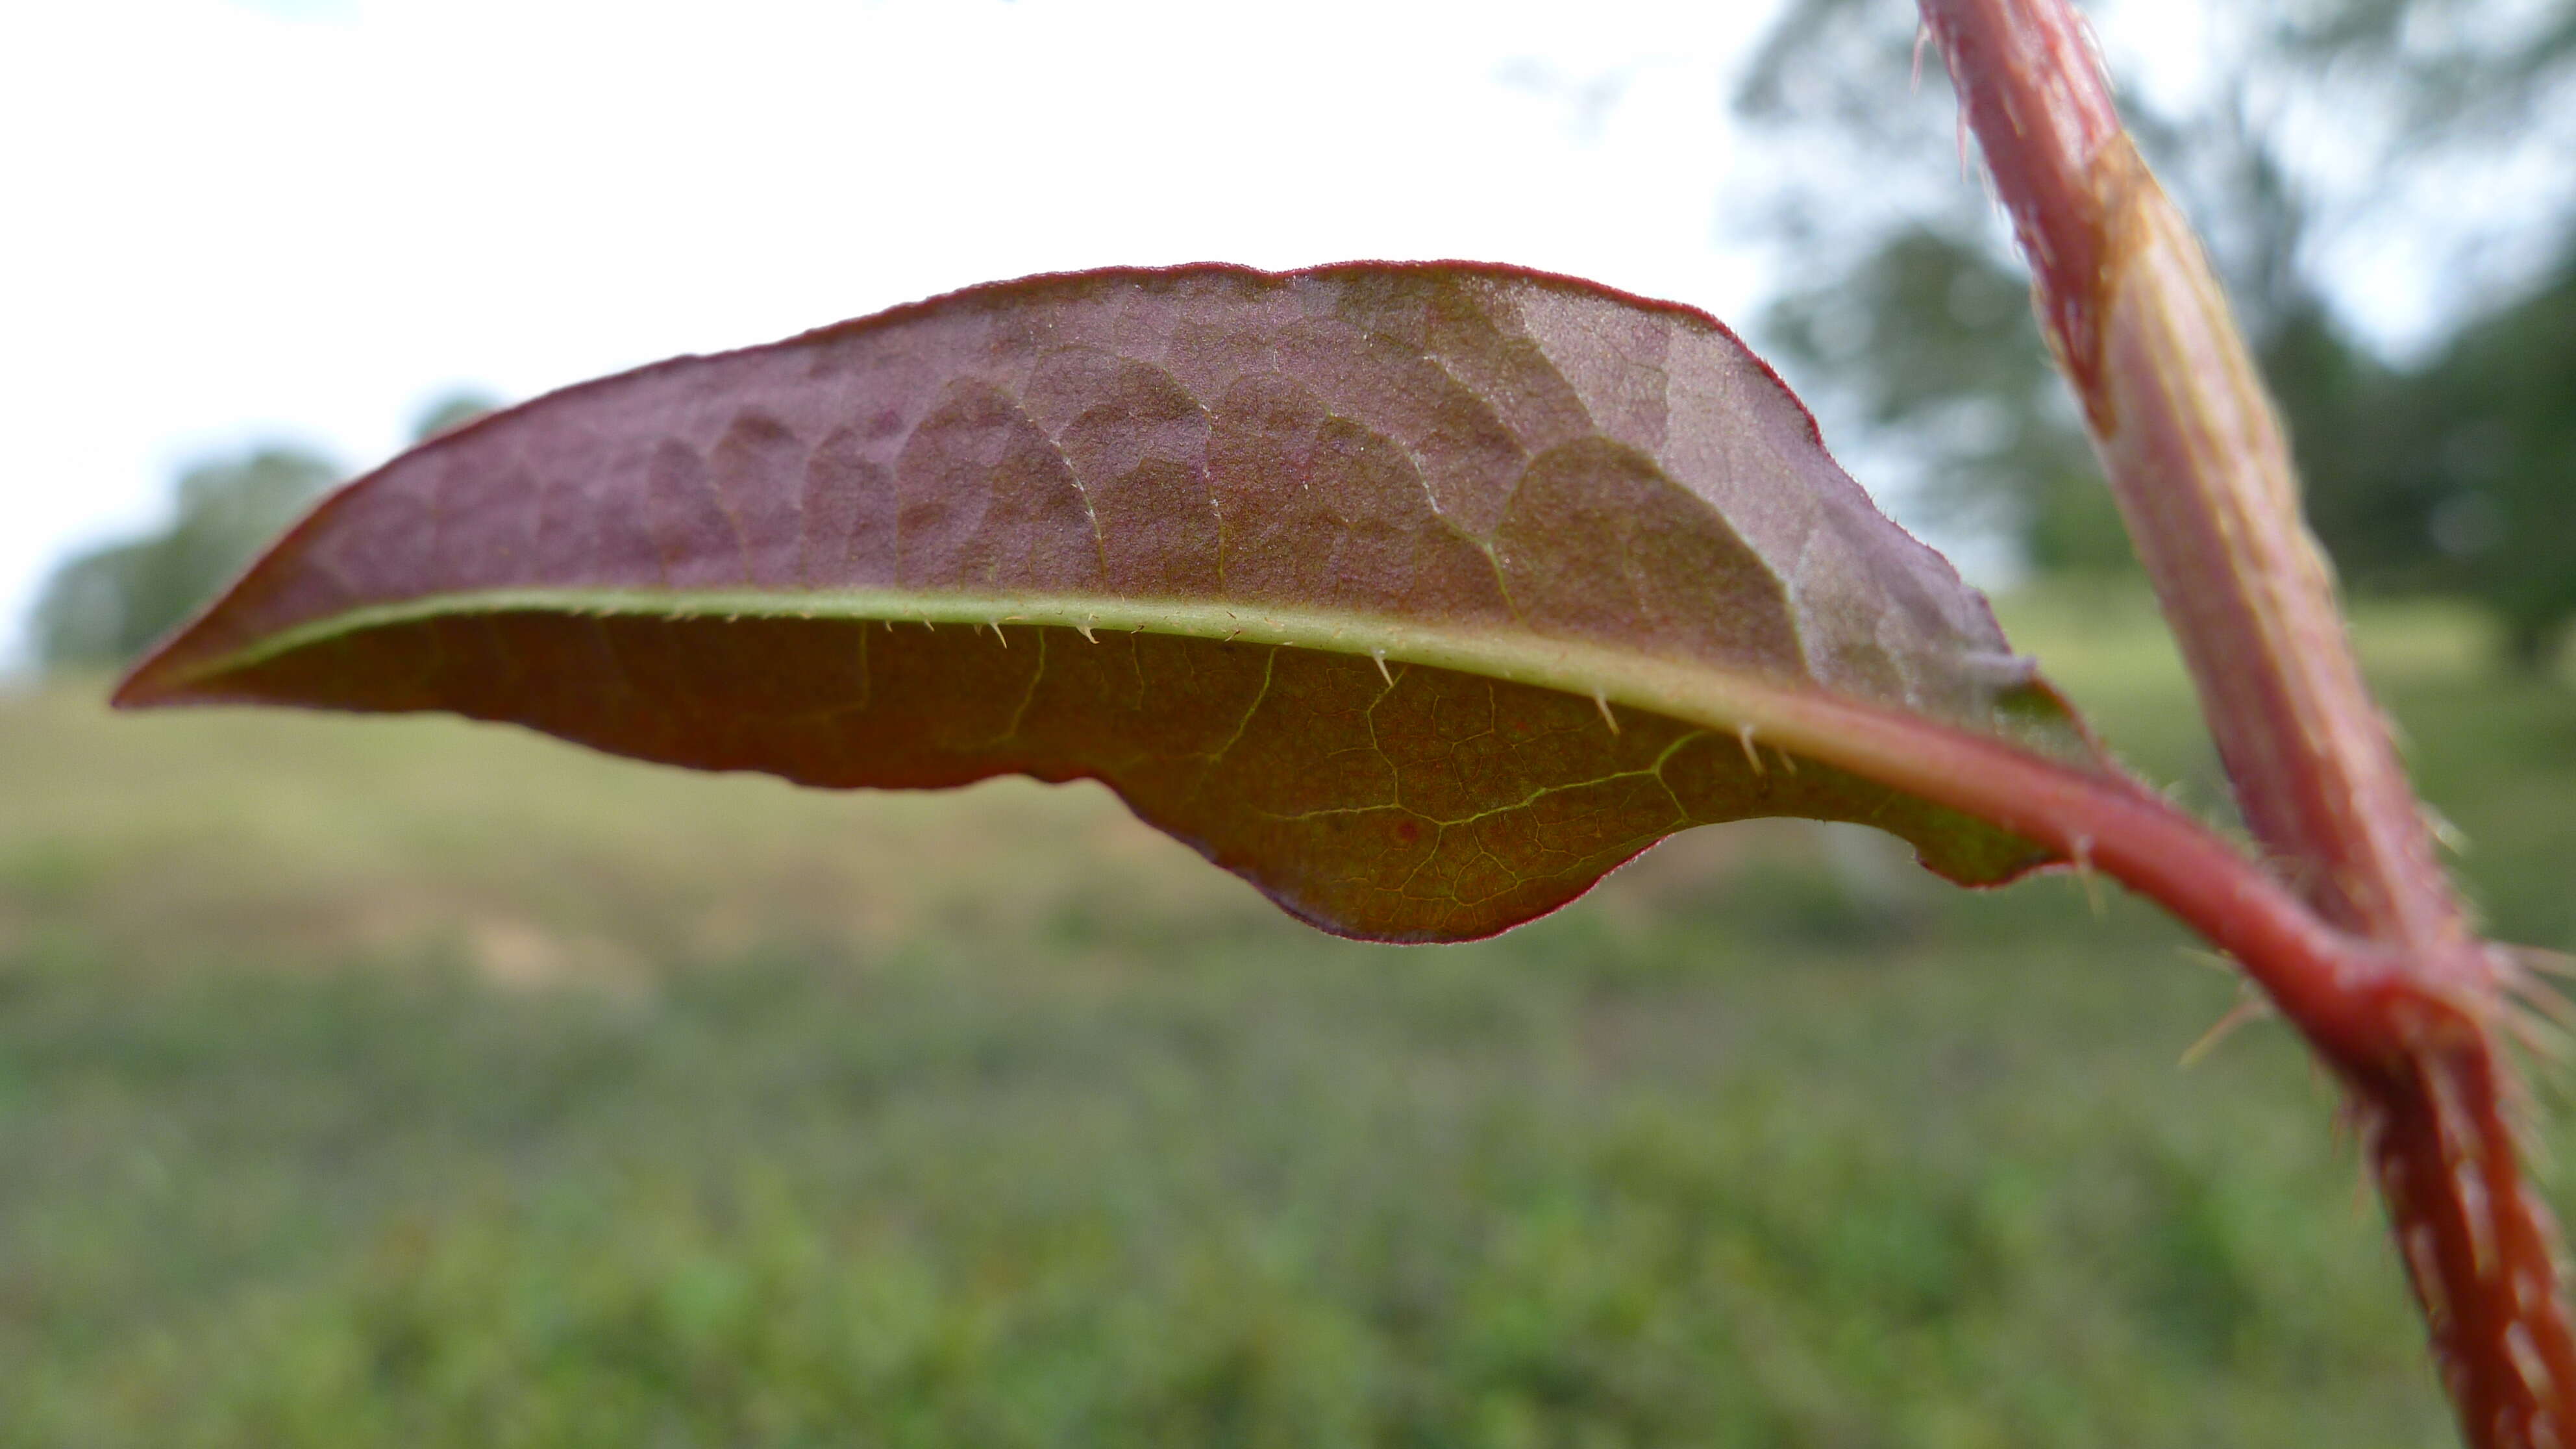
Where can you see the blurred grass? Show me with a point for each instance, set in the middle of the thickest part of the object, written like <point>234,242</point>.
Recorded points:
<point>407,1082</point>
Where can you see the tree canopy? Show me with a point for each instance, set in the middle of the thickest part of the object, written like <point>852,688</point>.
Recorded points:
<point>2437,473</point>
<point>108,605</point>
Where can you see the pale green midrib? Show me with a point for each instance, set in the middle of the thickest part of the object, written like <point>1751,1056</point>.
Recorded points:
<point>1792,715</point>
<point>1591,670</point>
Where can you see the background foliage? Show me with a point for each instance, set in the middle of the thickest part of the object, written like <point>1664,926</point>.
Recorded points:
<point>106,606</point>
<point>409,1082</point>
<point>2445,473</point>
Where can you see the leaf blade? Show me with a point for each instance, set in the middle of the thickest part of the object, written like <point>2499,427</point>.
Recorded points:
<point>1505,481</point>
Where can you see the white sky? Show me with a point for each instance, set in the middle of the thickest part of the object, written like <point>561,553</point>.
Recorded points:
<point>229,221</point>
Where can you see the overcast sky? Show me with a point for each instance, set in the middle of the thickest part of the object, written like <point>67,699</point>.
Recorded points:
<point>305,219</point>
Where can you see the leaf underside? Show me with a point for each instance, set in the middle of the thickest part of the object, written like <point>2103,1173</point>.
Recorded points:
<point>1243,546</point>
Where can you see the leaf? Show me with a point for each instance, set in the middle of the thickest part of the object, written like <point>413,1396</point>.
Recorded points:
<point>1419,596</point>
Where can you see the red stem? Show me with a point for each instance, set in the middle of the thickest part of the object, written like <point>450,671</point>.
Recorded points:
<point>2338,988</point>
<point>2197,460</point>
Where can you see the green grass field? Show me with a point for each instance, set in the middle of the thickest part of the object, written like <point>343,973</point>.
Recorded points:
<point>402,1082</point>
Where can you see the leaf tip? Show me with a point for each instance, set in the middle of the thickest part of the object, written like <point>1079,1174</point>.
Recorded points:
<point>154,682</point>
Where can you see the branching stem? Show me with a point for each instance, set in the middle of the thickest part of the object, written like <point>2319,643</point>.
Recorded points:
<point>2197,460</point>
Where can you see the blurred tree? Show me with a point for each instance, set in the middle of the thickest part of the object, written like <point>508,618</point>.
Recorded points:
<point>454,410</point>
<point>108,605</point>
<point>1928,337</point>
<point>1911,308</point>
<point>2487,440</point>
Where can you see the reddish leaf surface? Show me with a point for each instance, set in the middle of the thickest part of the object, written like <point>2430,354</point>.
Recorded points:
<point>1356,579</point>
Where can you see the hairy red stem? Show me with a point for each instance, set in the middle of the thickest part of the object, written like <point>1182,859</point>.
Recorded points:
<point>2197,460</point>
<point>2338,988</point>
